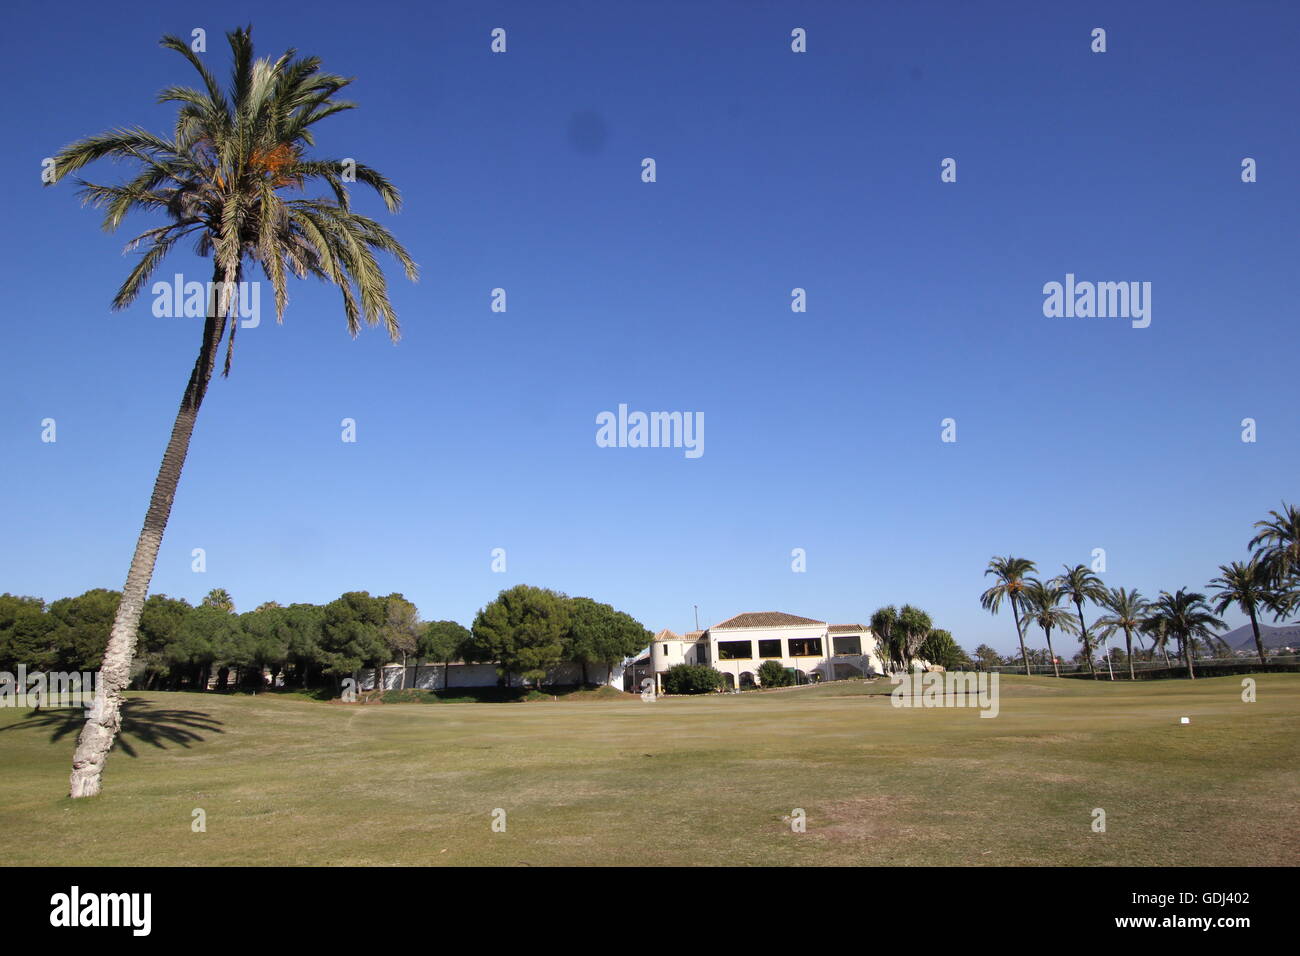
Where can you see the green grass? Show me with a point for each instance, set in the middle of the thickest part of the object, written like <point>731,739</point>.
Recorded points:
<point>496,695</point>
<point>287,780</point>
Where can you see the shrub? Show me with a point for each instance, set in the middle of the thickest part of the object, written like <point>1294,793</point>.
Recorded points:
<point>774,674</point>
<point>691,679</point>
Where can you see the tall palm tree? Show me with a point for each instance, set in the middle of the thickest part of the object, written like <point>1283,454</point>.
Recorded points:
<point>1127,611</point>
<point>220,179</point>
<point>1042,604</point>
<point>1187,617</point>
<point>1250,587</point>
<point>1081,584</point>
<point>1277,545</point>
<point>1009,573</point>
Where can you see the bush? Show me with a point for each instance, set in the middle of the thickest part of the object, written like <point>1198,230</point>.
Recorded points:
<point>774,674</point>
<point>691,679</point>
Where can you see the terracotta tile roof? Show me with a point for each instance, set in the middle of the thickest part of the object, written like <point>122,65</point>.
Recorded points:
<point>667,635</point>
<point>694,635</point>
<point>765,619</point>
<point>847,629</point>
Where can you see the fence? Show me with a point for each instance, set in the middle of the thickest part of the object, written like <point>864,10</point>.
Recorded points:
<point>1152,670</point>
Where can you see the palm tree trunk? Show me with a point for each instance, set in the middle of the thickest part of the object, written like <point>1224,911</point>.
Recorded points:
<point>1087,644</point>
<point>1254,625</point>
<point>1024,657</point>
<point>103,719</point>
<point>1047,632</point>
<point>1187,656</point>
<point>1128,642</point>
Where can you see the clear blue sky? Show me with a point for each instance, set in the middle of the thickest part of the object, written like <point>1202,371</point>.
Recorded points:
<point>775,170</point>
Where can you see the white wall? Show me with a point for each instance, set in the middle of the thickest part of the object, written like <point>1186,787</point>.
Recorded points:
<point>821,664</point>
<point>438,677</point>
<point>677,652</point>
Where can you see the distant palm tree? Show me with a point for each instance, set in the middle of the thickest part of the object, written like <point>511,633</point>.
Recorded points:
<point>219,598</point>
<point>1158,630</point>
<point>1081,584</point>
<point>1277,546</point>
<point>218,179</point>
<point>1187,617</point>
<point>1127,611</point>
<point>1009,573</point>
<point>1215,643</point>
<point>1042,603</point>
<point>1249,586</point>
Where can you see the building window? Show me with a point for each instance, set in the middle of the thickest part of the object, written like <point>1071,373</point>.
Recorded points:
<point>769,648</point>
<point>805,647</point>
<point>665,648</point>
<point>847,645</point>
<point>735,650</point>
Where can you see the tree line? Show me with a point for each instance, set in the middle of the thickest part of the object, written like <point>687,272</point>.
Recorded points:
<point>526,631</point>
<point>1267,583</point>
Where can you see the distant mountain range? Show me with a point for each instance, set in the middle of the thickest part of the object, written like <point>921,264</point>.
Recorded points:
<point>1243,638</point>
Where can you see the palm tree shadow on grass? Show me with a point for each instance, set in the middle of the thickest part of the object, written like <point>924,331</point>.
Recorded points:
<point>141,722</point>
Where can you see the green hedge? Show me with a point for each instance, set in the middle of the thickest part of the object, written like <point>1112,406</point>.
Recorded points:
<point>691,679</point>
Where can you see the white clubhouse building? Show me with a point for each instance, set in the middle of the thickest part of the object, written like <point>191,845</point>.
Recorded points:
<point>814,650</point>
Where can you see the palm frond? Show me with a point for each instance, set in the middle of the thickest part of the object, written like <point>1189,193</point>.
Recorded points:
<point>220,179</point>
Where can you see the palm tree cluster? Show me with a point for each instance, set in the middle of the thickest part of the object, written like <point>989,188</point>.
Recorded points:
<point>1267,583</point>
<point>908,634</point>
